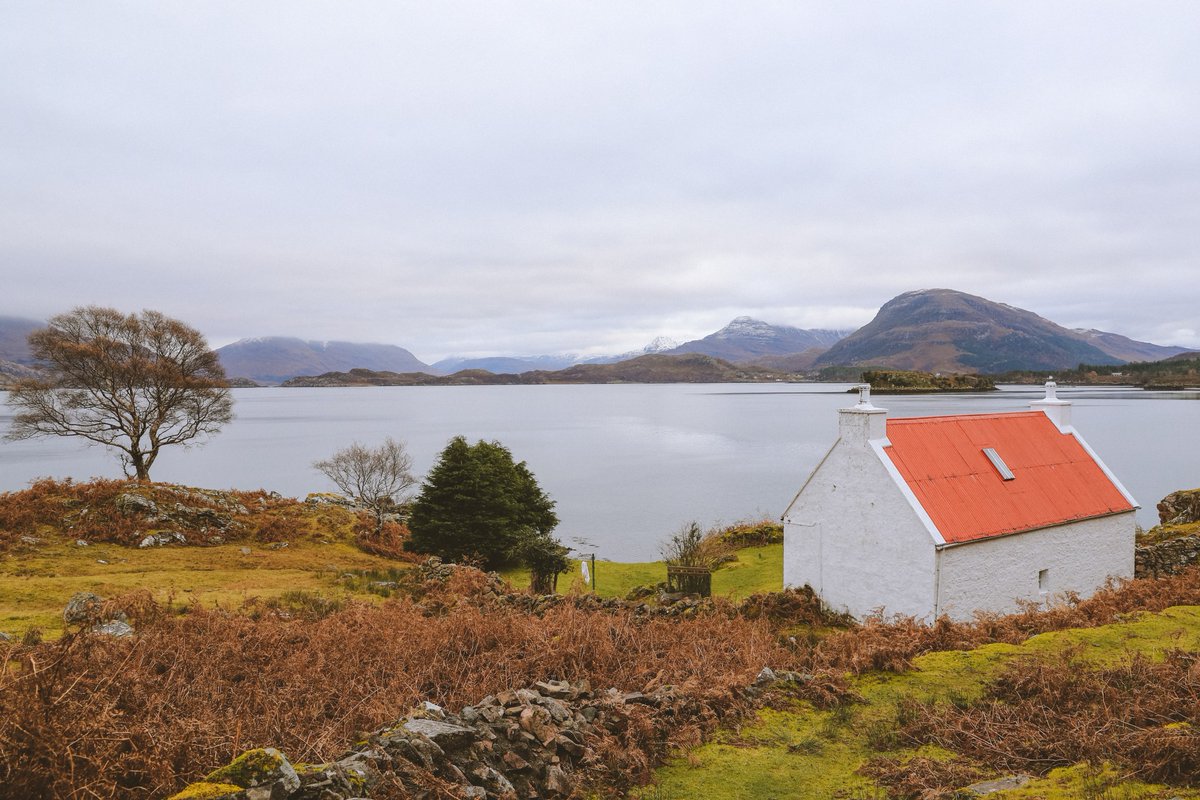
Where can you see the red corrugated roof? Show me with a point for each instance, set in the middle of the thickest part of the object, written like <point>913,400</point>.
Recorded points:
<point>942,461</point>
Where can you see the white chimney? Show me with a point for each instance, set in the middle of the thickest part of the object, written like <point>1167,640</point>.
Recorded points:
<point>862,422</point>
<point>1059,411</point>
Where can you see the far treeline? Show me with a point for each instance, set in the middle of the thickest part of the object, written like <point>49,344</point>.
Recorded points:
<point>1177,372</point>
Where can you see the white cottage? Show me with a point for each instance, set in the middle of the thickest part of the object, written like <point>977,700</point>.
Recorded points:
<point>932,516</point>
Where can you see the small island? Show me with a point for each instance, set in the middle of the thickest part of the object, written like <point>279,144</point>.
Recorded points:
<point>893,381</point>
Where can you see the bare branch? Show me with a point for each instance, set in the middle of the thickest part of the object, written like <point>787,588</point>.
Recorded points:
<point>377,478</point>
<point>133,382</point>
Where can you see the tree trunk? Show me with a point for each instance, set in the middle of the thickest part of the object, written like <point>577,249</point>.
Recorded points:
<point>140,467</point>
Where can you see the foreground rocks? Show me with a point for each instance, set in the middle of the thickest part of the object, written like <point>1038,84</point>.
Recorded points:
<point>534,742</point>
<point>88,610</point>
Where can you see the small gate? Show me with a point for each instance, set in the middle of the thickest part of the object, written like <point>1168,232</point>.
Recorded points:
<point>690,580</point>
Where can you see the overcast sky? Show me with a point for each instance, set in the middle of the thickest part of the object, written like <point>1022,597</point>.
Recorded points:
<point>532,177</point>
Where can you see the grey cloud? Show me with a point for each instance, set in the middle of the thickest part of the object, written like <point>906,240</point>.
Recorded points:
<point>518,177</point>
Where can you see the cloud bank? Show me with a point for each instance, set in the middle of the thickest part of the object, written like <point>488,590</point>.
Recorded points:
<point>524,177</point>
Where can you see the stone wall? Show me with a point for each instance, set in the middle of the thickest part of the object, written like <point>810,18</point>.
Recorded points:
<point>1166,557</point>
<point>1175,542</point>
<point>533,742</point>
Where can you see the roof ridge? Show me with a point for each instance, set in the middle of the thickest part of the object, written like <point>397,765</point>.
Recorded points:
<point>990,415</point>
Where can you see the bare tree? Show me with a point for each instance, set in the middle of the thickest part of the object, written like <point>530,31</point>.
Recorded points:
<point>377,478</point>
<point>135,383</point>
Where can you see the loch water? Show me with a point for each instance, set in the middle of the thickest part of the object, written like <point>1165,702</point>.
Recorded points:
<point>627,464</point>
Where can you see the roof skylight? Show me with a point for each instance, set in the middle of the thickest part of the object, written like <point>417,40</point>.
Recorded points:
<point>998,463</point>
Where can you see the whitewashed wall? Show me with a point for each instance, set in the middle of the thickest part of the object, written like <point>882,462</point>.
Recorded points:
<point>853,538</point>
<point>994,574</point>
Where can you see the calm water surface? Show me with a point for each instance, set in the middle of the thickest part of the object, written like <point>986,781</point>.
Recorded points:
<point>626,464</point>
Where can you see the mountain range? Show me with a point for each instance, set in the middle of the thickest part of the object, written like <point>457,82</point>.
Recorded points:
<point>745,339</point>
<point>942,330</point>
<point>933,330</point>
<point>274,359</point>
<point>14,335</point>
<point>514,365</point>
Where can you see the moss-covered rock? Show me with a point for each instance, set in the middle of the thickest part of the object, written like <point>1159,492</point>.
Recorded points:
<point>261,767</point>
<point>206,790</point>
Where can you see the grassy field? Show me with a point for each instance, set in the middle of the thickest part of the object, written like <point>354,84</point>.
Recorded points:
<point>810,754</point>
<point>34,587</point>
<point>756,569</point>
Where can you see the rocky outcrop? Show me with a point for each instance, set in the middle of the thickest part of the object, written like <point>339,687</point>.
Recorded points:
<point>1174,543</point>
<point>1180,508</point>
<point>534,742</point>
<point>170,514</point>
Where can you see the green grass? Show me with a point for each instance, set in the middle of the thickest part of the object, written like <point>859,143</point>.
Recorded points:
<point>807,754</point>
<point>1087,782</point>
<point>34,587</point>
<point>757,569</point>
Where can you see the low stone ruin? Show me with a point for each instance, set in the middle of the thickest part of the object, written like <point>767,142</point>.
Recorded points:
<point>533,742</point>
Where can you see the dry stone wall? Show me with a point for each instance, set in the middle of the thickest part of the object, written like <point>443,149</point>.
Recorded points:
<point>533,742</point>
<point>1166,557</point>
<point>1174,543</point>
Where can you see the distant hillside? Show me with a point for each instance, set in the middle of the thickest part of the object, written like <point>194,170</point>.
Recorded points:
<point>667,368</point>
<point>11,372</point>
<point>274,359</point>
<point>14,332</point>
<point>792,362</point>
<point>502,364</point>
<point>687,368</point>
<point>1126,349</point>
<point>515,365</point>
<point>940,330</point>
<point>745,339</point>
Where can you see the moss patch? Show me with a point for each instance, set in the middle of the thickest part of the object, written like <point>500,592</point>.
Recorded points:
<point>249,769</point>
<point>802,753</point>
<point>204,790</point>
<point>1103,782</point>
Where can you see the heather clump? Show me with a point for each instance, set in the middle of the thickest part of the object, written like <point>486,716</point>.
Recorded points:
<point>142,716</point>
<point>890,645</point>
<point>1139,714</point>
<point>752,534</point>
